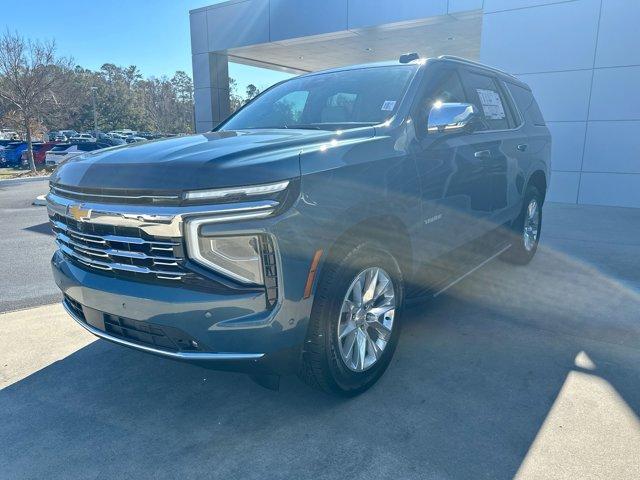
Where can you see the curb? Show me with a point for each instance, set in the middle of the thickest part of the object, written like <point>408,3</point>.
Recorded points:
<point>23,180</point>
<point>41,201</point>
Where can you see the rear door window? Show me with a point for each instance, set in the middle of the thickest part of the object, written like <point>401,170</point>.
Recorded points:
<point>485,94</point>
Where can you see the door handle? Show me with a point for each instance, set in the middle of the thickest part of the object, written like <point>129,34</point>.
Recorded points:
<point>522,147</point>
<point>482,154</point>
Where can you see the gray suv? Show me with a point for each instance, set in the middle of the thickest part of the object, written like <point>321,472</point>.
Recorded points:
<point>288,239</point>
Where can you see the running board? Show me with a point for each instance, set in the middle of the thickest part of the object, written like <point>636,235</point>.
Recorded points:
<point>477,267</point>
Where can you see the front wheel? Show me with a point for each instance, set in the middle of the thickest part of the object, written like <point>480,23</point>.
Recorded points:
<point>525,233</point>
<point>354,325</point>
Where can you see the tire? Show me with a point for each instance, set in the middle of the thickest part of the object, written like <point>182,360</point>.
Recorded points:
<point>523,246</point>
<point>323,364</point>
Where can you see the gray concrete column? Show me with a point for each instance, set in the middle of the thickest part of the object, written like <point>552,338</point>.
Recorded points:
<point>211,89</point>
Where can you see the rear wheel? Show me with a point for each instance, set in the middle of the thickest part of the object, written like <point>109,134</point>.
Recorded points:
<point>354,324</point>
<point>525,232</point>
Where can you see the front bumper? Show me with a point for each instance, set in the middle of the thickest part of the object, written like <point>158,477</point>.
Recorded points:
<point>188,356</point>
<point>232,332</point>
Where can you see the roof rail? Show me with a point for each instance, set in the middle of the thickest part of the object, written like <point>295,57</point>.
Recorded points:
<point>453,58</point>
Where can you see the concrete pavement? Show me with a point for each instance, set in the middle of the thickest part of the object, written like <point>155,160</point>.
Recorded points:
<point>519,372</point>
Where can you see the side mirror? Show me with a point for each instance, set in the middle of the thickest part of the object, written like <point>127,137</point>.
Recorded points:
<point>446,117</point>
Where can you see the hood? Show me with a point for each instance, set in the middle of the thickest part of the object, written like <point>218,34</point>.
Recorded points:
<point>210,160</point>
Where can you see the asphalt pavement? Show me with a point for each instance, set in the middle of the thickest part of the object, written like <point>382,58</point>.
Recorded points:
<point>26,245</point>
<point>518,372</point>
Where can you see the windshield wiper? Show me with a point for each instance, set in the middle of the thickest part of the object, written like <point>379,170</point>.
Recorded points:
<point>307,126</point>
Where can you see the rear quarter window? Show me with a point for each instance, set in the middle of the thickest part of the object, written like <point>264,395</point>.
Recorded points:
<point>526,103</point>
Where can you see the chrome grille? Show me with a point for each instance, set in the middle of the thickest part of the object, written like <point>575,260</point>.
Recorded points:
<point>119,249</point>
<point>105,195</point>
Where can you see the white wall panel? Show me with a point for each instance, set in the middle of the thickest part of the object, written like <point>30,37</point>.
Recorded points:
<point>619,35</point>
<point>616,94</point>
<point>563,187</point>
<point>237,24</point>
<point>202,98</point>
<point>464,5</point>
<point>201,73</point>
<point>553,37</point>
<point>567,146</point>
<point>617,189</point>
<point>367,13</point>
<point>562,96</point>
<point>202,127</point>
<point>613,147</point>
<point>198,29</point>
<point>500,5</point>
<point>299,18</point>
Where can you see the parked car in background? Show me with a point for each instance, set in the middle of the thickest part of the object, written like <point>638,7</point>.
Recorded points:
<point>82,137</point>
<point>68,133</point>
<point>61,153</point>
<point>122,133</point>
<point>150,135</point>
<point>11,155</point>
<point>39,153</point>
<point>286,240</point>
<point>6,134</point>
<point>134,139</point>
<point>4,143</point>
<point>109,141</point>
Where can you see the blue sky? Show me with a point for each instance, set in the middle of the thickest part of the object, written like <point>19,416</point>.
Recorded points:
<point>153,35</point>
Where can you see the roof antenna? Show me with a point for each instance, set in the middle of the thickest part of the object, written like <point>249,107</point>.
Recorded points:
<point>409,57</point>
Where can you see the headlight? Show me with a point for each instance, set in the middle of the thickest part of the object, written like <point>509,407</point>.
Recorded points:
<point>249,191</point>
<point>238,257</point>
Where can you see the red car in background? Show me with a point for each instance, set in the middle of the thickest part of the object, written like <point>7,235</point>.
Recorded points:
<point>39,152</point>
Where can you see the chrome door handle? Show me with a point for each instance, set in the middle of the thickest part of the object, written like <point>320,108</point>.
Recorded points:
<point>522,147</point>
<point>482,154</point>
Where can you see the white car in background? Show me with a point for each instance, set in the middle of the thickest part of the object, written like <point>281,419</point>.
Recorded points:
<point>60,153</point>
<point>6,134</point>
<point>83,137</point>
<point>122,133</point>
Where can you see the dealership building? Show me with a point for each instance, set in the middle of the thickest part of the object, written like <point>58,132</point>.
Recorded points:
<point>580,57</point>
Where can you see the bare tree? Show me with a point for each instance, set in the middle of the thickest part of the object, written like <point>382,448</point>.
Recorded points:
<point>30,75</point>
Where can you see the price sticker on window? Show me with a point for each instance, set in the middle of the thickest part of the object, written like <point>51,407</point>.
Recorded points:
<point>491,104</point>
<point>388,105</point>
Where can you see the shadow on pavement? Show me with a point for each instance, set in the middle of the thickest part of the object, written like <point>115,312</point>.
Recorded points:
<point>44,228</point>
<point>472,383</point>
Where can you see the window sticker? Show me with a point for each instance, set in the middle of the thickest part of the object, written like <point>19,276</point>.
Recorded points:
<point>491,104</point>
<point>388,105</point>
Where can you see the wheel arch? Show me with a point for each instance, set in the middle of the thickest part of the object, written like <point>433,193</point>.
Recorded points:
<point>539,180</point>
<point>395,238</point>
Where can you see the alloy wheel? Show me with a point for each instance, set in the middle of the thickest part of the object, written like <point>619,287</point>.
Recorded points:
<point>366,319</point>
<point>531,225</point>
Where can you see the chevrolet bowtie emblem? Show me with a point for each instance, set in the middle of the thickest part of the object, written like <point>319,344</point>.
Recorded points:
<point>78,213</point>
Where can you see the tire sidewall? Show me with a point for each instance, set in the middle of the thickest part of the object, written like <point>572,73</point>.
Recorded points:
<point>518,254</point>
<point>345,380</point>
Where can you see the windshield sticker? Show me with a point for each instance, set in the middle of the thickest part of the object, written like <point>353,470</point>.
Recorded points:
<point>388,105</point>
<point>491,104</point>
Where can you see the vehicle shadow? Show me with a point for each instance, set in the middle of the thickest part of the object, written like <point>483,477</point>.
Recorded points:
<point>475,376</point>
<point>43,228</point>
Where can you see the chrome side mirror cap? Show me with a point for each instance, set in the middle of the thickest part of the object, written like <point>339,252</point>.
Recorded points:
<point>450,117</point>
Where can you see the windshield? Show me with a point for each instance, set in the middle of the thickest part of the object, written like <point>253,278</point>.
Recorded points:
<point>328,101</point>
